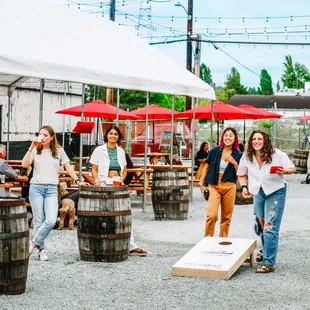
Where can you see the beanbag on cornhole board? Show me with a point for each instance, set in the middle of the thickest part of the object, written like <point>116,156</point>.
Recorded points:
<point>215,258</point>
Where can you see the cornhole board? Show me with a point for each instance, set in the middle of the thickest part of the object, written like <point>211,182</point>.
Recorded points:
<point>215,258</point>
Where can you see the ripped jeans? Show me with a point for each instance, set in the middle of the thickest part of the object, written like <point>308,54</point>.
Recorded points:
<point>270,208</point>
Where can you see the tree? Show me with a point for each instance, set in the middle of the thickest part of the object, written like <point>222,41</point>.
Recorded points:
<point>233,82</point>
<point>265,83</point>
<point>223,94</point>
<point>295,75</point>
<point>205,74</point>
<point>252,91</point>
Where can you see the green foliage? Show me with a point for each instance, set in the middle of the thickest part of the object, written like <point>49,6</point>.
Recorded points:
<point>234,82</point>
<point>223,94</point>
<point>205,74</point>
<point>252,91</point>
<point>265,83</point>
<point>295,75</point>
<point>278,86</point>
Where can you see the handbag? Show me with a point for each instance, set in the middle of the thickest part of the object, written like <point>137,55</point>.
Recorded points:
<point>206,193</point>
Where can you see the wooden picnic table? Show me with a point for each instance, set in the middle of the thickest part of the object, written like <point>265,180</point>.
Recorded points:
<point>154,157</point>
<point>137,183</point>
<point>76,161</point>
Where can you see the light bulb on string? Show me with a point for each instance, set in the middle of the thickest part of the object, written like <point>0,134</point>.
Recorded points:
<point>285,29</point>
<point>195,19</point>
<point>226,31</point>
<point>125,16</point>
<point>267,19</point>
<point>291,19</point>
<point>265,31</point>
<point>219,19</point>
<point>306,28</point>
<point>254,46</point>
<point>100,5</point>
<point>79,6</point>
<point>172,18</point>
<point>123,3</point>
<point>243,19</point>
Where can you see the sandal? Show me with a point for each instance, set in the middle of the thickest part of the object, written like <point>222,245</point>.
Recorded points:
<point>137,252</point>
<point>259,256</point>
<point>265,269</point>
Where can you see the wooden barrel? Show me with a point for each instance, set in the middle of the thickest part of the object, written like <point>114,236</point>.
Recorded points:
<point>14,246</point>
<point>104,223</point>
<point>299,159</point>
<point>170,194</point>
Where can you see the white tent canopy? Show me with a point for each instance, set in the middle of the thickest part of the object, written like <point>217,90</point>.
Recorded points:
<point>44,40</point>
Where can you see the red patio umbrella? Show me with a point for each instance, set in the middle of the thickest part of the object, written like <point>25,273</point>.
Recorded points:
<point>155,113</point>
<point>98,108</point>
<point>101,109</point>
<point>221,111</point>
<point>305,118</point>
<point>257,113</point>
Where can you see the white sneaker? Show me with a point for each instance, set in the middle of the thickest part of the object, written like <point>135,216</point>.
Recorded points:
<point>43,255</point>
<point>33,250</point>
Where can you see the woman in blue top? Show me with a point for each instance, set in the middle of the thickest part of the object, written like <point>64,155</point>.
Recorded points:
<point>220,173</point>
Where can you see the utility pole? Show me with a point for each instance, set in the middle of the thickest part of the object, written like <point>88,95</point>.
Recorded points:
<point>110,91</point>
<point>188,103</point>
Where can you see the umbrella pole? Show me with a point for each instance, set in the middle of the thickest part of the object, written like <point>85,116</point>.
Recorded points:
<point>81,135</point>
<point>97,131</point>
<point>153,141</point>
<point>244,132</point>
<point>145,151</point>
<point>172,131</point>
<point>212,119</point>
<point>193,149</point>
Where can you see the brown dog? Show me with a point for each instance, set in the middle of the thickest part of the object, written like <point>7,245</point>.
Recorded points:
<point>66,207</point>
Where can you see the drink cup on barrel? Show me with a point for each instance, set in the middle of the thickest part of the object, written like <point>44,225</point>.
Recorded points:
<point>117,181</point>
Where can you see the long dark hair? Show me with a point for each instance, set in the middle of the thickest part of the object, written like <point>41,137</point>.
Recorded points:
<point>236,143</point>
<point>54,145</point>
<point>120,135</point>
<point>266,151</point>
<point>202,147</point>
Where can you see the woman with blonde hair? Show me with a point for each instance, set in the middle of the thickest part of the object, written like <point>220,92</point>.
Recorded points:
<point>46,155</point>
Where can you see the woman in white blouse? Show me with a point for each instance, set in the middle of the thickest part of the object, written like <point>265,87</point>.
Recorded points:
<point>264,167</point>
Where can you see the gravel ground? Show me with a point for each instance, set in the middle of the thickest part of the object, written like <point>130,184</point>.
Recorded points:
<point>65,282</point>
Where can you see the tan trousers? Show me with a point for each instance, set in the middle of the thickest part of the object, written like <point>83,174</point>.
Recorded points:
<point>223,193</point>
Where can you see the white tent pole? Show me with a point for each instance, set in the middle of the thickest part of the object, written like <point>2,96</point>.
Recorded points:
<point>64,119</point>
<point>9,123</point>
<point>172,131</point>
<point>41,103</point>
<point>81,135</point>
<point>145,150</point>
<point>117,107</point>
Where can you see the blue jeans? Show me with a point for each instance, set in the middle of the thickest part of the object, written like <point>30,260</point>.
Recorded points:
<point>44,204</point>
<point>270,209</point>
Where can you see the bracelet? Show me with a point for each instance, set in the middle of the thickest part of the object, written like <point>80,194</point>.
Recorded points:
<point>76,181</point>
<point>244,186</point>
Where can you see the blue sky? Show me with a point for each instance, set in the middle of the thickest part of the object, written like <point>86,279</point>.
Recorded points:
<point>252,20</point>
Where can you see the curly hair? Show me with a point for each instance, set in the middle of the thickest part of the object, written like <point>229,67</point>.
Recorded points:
<point>266,151</point>
<point>54,145</point>
<point>120,135</point>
